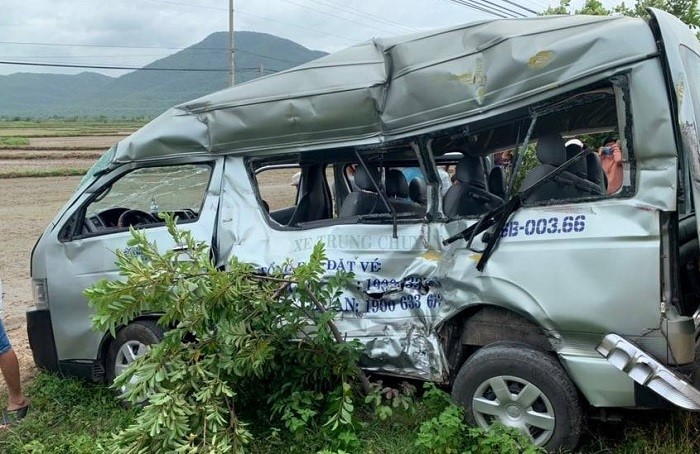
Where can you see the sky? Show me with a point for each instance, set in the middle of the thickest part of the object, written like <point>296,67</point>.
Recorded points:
<point>133,33</point>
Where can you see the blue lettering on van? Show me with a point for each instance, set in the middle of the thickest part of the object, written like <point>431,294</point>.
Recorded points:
<point>545,226</point>
<point>379,305</point>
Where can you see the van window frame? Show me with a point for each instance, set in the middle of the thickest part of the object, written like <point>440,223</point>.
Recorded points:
<point>81,211</point>
<point>346,157</point>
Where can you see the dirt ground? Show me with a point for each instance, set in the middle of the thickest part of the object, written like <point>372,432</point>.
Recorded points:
<point>27,205</point>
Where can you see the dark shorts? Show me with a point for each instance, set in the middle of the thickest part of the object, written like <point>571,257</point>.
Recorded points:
<point>4,340</point>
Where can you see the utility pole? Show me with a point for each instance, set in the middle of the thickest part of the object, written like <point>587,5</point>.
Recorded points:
<point>231,55</point>
<point>262,70</point>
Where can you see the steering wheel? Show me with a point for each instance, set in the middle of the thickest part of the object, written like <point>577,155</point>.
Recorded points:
<point>135,217</point>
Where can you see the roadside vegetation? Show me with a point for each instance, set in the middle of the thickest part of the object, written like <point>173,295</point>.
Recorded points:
<point>69,172</point>
<point>67,127</point>
<point>56,148</point>
<point>71,416</point>
<point>12,142</point>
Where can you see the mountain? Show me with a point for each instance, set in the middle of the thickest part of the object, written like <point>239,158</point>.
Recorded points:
<point>146,92</point>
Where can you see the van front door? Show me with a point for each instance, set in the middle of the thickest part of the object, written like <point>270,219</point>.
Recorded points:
<point>83,250</point>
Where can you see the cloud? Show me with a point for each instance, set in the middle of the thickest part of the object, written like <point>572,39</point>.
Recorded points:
<point>161,26</point>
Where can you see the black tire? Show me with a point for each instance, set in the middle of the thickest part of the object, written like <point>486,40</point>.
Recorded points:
<point>548,412</point>
<point>132,338</point>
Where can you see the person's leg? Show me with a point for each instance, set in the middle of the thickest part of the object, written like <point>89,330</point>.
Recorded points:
<point>9,366</point>
<point>10,372</point>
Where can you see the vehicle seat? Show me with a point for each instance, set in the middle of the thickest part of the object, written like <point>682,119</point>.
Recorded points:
<point>583,186</point>
<point>398,193</point>
<point>314,203</point>
<point>497,182</point>
<point>365,199</point>
<point>595,172</point>
<point>396,184</point>
<point>568,185</point>
<point>418,191</point>
<point>468,195</point>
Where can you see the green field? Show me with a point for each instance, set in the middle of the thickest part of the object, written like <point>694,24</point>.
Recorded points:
<point>67,128</point>
<point>57,147</point>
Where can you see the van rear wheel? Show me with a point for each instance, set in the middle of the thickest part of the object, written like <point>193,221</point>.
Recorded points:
<point>524,388</point>
<point>132,341</point>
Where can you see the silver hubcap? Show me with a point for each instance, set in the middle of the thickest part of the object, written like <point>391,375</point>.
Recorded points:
<point>517,403</point>
<point>126,355</point>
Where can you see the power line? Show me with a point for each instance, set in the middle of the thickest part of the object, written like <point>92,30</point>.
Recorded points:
<point>238,11</point>
<point>193,49</point>
<point>521,7</point>
<point>360,13</point>
<point>25,43</point>
<point>133,68</point>
<point>498,7</point>
<point>476,8</point>
<point>492,8</point>
<point>267,19</point>
<point>292,2</point>
<point>501,8</point>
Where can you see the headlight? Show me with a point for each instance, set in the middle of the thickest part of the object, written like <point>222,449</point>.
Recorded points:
<point>40,293</point>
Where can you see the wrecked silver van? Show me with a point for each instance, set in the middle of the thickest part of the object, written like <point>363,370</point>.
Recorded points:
<point>532,286</point>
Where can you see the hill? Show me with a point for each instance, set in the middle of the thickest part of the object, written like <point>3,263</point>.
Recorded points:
<point>150,90</point>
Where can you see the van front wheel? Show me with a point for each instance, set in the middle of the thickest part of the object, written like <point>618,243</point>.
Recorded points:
<point>132,341</point>
<point>524,388</point>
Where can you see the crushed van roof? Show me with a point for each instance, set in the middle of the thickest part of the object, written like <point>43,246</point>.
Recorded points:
<point>390,88</point>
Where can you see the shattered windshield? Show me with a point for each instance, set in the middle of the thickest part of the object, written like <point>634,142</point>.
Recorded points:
<point>99,166</point>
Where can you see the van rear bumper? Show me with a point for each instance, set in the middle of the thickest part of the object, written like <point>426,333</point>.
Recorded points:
<point>647,371</point>
<point>41,340</point>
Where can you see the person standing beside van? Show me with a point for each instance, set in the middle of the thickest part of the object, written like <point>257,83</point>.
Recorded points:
<point>611,160</point>
<point>17,403</point>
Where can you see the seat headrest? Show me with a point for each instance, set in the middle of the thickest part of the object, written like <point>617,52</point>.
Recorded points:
<point>396,184</point>
<point>363,181</point>
<point>497,182</point>
<point>550,149</point>
<point>471,170</point>
<point>579,169</point>
<point>594,169</point>
<point>418,191</point>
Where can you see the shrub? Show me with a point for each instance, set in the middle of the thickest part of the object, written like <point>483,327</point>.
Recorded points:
<point>237,341</point>
<point>448,433</point>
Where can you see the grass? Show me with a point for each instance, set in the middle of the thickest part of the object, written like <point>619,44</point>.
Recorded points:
<point>11,141</point>
<point>43,173</point>
<point>71,416</point>
<point>72,123</point>
<point>67,128</point>
<point>58,154</point>
<point>66,416</point>
<point>646,432</point>
<point>53,149</point>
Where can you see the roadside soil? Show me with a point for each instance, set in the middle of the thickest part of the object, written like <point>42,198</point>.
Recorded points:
<point>27,205</point>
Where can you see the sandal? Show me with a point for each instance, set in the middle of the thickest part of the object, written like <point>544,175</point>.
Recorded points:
<point>13,417</point>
